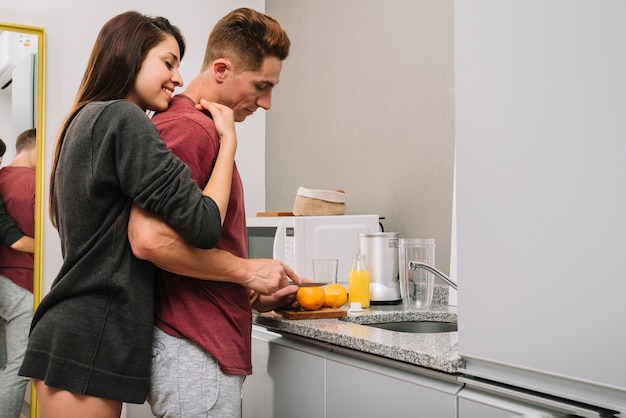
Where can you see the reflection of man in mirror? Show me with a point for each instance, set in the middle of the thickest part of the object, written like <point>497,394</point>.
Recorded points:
<point>11,235</point>
<point>17,188</point>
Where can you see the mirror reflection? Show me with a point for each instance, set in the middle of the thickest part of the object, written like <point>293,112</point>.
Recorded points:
<point>21,130</point>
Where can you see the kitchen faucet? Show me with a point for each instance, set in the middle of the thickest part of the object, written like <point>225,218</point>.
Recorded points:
<point>415,265</point>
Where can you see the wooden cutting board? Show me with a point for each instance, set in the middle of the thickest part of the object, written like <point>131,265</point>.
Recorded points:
<point>317,314</point>
<point>268,214</point>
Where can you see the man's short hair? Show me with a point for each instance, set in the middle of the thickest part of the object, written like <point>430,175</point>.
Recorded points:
<point>27,140</point>
<point>246,37</point>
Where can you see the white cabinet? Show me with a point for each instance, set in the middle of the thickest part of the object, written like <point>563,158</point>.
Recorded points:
<point>358,387</point>
<point>477,404</point>
<point>295,378</point>
<point>137,411</point>
<point>288,378</point>
<point>491,400</point>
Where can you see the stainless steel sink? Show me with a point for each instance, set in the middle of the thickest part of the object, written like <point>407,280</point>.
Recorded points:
<point>417,326</point>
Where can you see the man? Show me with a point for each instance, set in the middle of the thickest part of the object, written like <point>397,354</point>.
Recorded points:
<point>10,234</point>
<point>203,336</point>
<point>17,187</point>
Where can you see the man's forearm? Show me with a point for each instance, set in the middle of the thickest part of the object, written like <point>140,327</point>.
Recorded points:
<point>154,240</point>
<point>25,244</point>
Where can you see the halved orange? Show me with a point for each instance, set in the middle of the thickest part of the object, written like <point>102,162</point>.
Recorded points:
<point>331,299</point>
<point>342,295</point>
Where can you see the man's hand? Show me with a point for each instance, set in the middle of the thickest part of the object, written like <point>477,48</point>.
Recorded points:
<point>283,298</point>
<point>267,276</point>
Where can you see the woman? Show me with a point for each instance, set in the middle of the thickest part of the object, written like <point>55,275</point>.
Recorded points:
<point>89,348</point>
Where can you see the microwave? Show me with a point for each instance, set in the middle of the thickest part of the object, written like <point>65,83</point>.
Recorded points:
<point>297,240</point>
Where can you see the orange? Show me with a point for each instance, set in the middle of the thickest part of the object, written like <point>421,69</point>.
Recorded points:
<point>311,298</point>
<point>331,299</point>
<point>342,297</point>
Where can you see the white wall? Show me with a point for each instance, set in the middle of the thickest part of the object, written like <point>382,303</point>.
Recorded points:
<point>6,131</point>
<point>71,28</point>
<point>366,104</point>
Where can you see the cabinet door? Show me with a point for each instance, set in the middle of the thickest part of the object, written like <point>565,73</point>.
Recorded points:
<point>137,411</point>
<point>359,388</point>
<point>287,380</point>
<point>491,400</point>
<point>471,409</point>
<point>258,389</point>
<point>475,403</point>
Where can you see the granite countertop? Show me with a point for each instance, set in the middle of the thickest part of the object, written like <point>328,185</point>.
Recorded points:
<point>438,351</point>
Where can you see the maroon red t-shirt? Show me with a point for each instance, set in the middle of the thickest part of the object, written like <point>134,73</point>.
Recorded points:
<point>215,315</point>
<point>17,187</point>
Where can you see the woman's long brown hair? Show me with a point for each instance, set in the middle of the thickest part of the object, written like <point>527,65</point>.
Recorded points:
<point>120,48</point>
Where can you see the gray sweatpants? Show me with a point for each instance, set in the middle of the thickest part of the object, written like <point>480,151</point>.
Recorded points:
<point>187,382</point>
<point>16,313</point>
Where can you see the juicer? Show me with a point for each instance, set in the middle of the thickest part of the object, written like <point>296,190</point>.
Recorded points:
<point>381,256</point>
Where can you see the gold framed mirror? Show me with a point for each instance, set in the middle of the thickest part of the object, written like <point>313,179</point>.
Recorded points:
<point>39,75</point>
